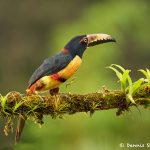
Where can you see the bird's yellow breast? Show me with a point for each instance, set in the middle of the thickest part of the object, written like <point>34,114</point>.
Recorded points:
<point>71,68</point>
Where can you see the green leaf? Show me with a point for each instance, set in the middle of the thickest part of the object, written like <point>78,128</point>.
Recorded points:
<point>121,68</point>
<point>125,77</point>
<point>130,84</point>
<point>144,72</point>
<point>129,98</point>
<point>119,75</point>
<point>3,101</point>
<point>17,105</point>
<point>147,74</point>
<point>136,85</point>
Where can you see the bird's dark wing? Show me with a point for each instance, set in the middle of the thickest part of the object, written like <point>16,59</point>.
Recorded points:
<point>50,66</point>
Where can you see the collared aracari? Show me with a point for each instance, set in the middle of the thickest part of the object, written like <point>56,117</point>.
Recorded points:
<point>60,67</point>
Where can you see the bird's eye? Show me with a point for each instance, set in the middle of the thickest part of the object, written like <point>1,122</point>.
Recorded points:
<point>85,40</point>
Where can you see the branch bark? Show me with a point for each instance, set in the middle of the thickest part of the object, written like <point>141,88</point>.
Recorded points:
<point>35,106</point>
<point>66,103</point>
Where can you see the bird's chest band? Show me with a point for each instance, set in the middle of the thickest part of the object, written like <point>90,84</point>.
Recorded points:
<point>58,77</point>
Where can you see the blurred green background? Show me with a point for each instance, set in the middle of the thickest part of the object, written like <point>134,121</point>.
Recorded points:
<point>32,30</point>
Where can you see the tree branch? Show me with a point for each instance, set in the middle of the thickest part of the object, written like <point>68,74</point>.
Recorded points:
<point>35,106</point>
<point>14,103</point>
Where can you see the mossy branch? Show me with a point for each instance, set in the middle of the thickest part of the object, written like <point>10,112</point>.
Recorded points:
<point>66,103</point>
<point>35,106</point>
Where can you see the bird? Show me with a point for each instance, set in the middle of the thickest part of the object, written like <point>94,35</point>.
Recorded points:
<point>57,69</point>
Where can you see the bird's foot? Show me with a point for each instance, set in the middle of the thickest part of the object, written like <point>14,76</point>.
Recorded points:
<point>54,91</point>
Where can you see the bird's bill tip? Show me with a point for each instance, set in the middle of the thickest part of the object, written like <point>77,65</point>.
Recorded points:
<point>95,39</point>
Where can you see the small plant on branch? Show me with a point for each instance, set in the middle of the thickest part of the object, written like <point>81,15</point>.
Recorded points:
<point>127,86</point>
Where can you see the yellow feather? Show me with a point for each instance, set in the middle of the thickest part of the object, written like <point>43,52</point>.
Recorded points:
<point>71,68</point>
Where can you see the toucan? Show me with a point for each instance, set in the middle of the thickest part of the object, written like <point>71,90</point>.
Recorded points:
<point>57,69</point>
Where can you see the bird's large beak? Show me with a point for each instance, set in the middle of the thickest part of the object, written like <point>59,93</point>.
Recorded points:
<point>95,39</point>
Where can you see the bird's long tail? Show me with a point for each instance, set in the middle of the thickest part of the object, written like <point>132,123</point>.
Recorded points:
<point>20,126</point>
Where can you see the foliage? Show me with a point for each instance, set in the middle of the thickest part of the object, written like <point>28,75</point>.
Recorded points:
<point>127,86</point>
<point>147,74</point>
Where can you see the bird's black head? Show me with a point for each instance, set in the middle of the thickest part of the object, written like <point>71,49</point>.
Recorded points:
<point>78,44</point>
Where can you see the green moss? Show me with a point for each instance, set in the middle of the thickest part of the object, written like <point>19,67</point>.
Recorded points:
<point>34,107</point>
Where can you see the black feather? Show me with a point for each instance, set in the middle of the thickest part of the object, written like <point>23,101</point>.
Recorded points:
<point>50,66</point>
